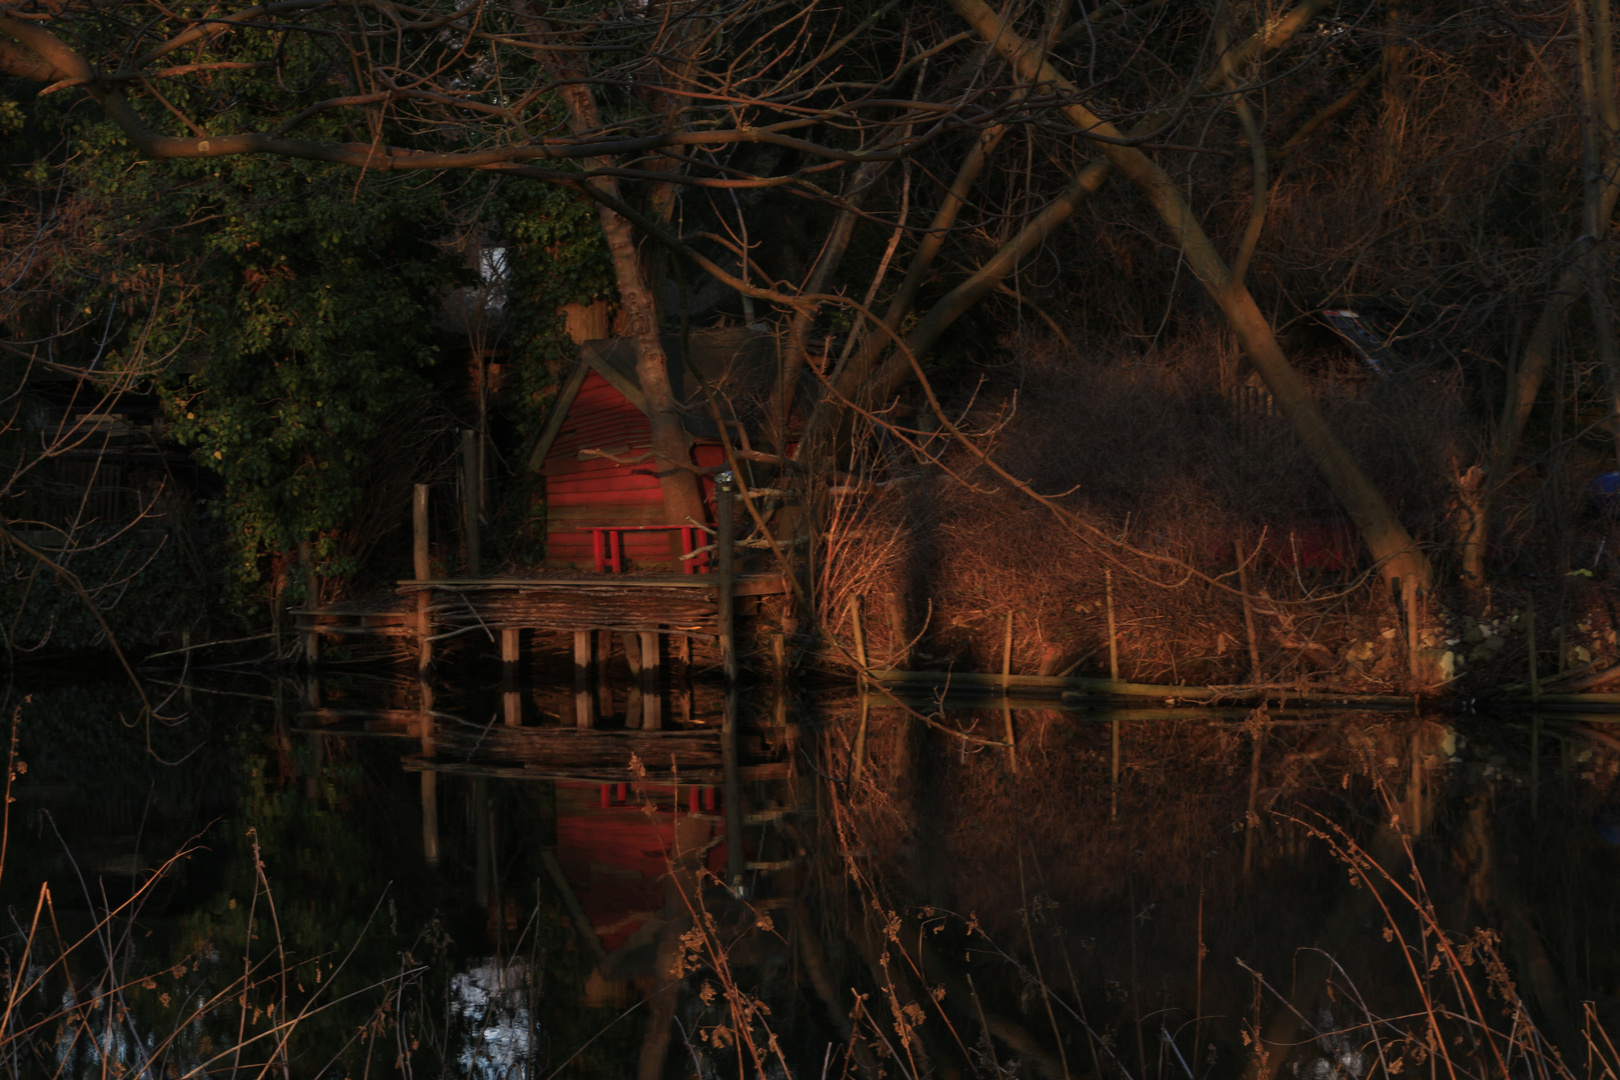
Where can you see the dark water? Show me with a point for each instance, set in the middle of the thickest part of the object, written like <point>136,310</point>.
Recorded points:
<point>325,881</point>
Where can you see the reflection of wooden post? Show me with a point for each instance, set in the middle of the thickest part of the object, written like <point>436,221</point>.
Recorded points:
<point>860,637</point>
<point>1535,765</point>
<point>857,762</point>
<point>1113,771</point>
<point>604,689</point>
<point>317,759</point>
<point>1006,688</point>
<point>424,570</point>
<point>470,483</point>
<point>584,701</point>
<point>651,699</point>
<point>481,841</point>
<point>724,525</point>
<point>312,601</point>
<point>1414,784</point>
<point>733,779</point>
<point>430,779</point>
<point>1251,818</point>
<point>858,759</point>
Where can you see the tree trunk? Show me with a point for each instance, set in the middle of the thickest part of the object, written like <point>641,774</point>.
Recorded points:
<point>1386,538</point>
<point>683,502</point>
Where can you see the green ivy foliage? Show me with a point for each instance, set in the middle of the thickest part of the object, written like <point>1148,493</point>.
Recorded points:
<point>283,310</point>
<point>286,311</point>
<point>317,317</point>
<point>557,256</point>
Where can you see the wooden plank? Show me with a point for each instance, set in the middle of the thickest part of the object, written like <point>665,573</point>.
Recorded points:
<point>979,681</point>
<point>624,496</point>
<point>605,480</point>
<point>610,426</point>
<point>569,468</point>
<point>607,581</point>
<point>636,514</point>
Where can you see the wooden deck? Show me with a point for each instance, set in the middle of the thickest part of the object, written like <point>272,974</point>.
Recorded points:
<point>622,603</point>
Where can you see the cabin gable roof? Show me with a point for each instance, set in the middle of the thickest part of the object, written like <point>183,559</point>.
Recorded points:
<point>714,356</point>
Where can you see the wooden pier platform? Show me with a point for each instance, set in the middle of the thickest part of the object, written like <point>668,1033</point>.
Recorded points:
<point>619,603</point>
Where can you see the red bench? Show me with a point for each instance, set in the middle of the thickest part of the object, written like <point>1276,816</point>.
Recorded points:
<point>607,545</point>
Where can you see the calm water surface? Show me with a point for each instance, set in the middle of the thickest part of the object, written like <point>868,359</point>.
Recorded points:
<point>331,880</point>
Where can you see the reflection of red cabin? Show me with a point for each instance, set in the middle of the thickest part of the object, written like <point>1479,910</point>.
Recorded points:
<point>600,407</point>
<point>615,855</point>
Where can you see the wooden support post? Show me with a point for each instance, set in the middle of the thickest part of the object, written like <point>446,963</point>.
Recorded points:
<point>584,699</point>
<point>1248,614</point>
<point>1113,637</point>
<point>471,482</point>
<point>652,701</point>
<point>859,635</point>
<point>1006,654</point>
<point>510,644</point>
<point>1414,627</point>
<point>424,570</point>
<point>902,630</point>
<point>732,770</point>
<point>512,704</point>
<point>725,539</point>
<point>312,601</point>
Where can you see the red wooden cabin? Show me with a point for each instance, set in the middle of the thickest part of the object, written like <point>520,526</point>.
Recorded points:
<point>601,407</point>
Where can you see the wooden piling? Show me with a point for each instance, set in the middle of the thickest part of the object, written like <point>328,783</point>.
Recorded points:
<point>1414,642</point>
<point>1006,649</point>
<point>1113,640</point>
<point>725,539</point>
<point>1006,683</point>
<point>512,704</point>
<point>652,701</point>
<point>584,700</point>
<point>1248,613</point>
<point>902,630</point>
<point>424,570</point>
<point>860,637</point>
<point>471,482</point>
<point>509,653</point>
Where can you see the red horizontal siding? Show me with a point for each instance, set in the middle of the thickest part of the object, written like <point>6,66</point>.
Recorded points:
<point>607,500</point>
